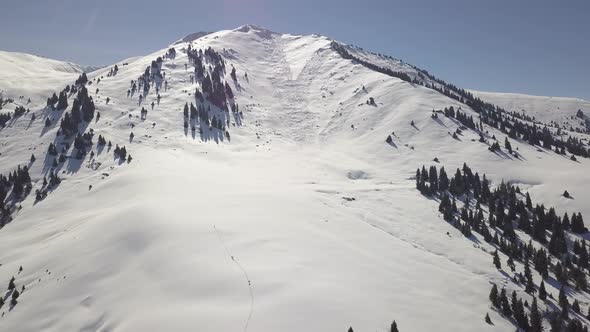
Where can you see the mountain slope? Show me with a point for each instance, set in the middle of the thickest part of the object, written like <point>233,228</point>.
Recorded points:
<point>306,218</point>
<point>20,69</point>
<point>546,109</point>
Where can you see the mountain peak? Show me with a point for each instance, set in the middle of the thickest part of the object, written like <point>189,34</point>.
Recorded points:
<point>192,36</point>
<point>261,31</point>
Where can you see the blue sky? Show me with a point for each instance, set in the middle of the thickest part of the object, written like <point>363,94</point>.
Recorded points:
<point>528,46</point>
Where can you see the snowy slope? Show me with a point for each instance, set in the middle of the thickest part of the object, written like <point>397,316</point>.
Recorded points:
<point>546,109</point>
<point>255,233</point>
<point>19,70</point>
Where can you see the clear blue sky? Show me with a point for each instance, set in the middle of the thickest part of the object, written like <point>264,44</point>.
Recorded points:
<point>528,46</point>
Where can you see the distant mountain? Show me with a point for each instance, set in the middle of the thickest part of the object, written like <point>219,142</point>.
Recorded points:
<point>545,109</point>
<point>20,69</point>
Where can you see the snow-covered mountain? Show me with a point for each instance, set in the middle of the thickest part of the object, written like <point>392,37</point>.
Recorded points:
<point>283,199</point>
<point>19,70</point>
<point>560,110</point>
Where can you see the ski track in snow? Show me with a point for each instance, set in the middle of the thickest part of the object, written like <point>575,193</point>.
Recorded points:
<point>232,257</point>
<point>419,246</point>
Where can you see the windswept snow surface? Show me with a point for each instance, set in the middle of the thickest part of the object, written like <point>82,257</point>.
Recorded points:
<point>256,234</point>
<point>546,109</point>
<point>34,76</point>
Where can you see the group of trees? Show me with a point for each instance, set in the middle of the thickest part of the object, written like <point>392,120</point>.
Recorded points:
<point>81,80</point>
<point>19,111</point>
<point>82,142</point>
<point>85,105</point>
<point>151,75</point>
<point>53,182</point>
<point>62,100</point>
<point>4,118</point>
<point>531,134</point>
<point>209,70</point>
<point>82,110</point>
<point>171,53</point>
<point>508,209</point>
<point>341,49</point>
<point>15,294</point>
<point>4,101</point>
<point>114,70</point>
<point>515,307</point>
<point>515,125</point>
<point>559,320</point>
<point>200,116</point>
<point>213,86</point>
<point>121,154</point>
<point>19,181</point>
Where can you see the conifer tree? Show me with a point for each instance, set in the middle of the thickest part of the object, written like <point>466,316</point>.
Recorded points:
<point>562,297</point>
<point>494,298</point>
<point>530,286</point>
<point>536,318</point>
<point>576,306</point>
<point>15,295</point>
<point>506,310</point>
<point>542,291</point>
<point>510,264</point>
<point>488,319</point>
<point>497,262</point>
<point>507,145</point>
<point>394,327</point>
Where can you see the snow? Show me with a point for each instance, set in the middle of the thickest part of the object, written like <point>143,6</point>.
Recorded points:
<point>546,109</point>
<point>256,234</point>
<point>25,74</point>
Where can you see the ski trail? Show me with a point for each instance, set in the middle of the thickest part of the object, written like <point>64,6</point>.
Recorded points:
<point>245,275</point>
<point>422,248</point>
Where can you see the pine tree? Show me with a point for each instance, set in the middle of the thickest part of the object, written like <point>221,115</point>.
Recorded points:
<point>562,297</point>
<point>15,295</point>
<point>518,311</point>
<point>542,291</point>
<point>556,322</point>
<point>565,312</point>
<point>506,310</point>
<point>507,145</point>
<point>494,296</point>
<point>530,286</point>
<point>497,262</point>
<point>394,327</point>
<point>488,319</point>
<point>11,284</point>
<point>443,183</point>
<point>510,264</point>
<point>578,224</point>
<point>536,318</point>
<point>576,306</point>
